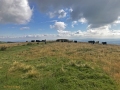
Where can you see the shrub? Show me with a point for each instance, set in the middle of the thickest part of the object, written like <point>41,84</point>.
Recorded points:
<point>3,48</point>
<point>29,43</point>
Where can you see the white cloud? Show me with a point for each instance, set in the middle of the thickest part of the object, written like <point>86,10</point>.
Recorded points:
<point>70,9</point>
<point>15,11</point>
<point>82,20</point>
<point>116,22</point>
<point>64,33</point>
<point>96,33</point>
<point>52,14</point>
<point>60,14</point>
<point>24,28</point>
<point>74,23</point>
<point>58,26</point>
<point>101,32</point>
<point>97,12</point>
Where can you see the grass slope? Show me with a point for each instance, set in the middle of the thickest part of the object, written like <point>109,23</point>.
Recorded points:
<point>59,66</point>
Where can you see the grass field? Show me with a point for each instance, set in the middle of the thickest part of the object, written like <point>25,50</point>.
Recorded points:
<point>59,66</point>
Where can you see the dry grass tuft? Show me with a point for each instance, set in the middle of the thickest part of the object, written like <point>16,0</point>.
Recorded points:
<point>20,66</point>
<point>41,65</point>
<point>0,67</point>
<point>31,74</point>
<point>27,70</point>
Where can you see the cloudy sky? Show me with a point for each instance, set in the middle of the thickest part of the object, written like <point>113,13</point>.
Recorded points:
<point>52,19</point>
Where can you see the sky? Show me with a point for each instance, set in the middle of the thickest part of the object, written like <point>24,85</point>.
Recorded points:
<point>54,19</point>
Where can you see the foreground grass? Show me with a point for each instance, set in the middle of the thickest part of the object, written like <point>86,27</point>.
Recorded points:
<point>59,66</point>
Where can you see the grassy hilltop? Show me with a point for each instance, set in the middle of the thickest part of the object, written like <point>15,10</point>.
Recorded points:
<point>59,66</point>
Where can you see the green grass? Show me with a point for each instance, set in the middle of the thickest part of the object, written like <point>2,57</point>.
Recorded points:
<point>43,67</point>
